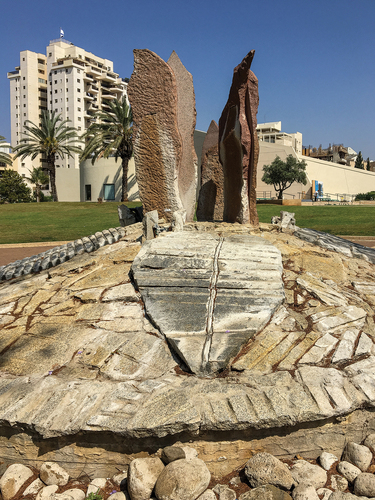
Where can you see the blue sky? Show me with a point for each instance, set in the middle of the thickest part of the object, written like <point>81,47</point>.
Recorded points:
<point>315,60</point>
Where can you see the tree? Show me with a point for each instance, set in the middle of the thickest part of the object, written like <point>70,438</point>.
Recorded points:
<point>53,138</point>
<point>368,166</point>
<point>359,162</point>
<point>4,157</point>
<point>38,177</point>
<point>13,189</point>
<point>112,136</point>
<point>282,174</point>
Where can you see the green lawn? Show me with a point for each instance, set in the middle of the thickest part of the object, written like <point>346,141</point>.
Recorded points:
<point>341,220</point>
<point>34,222</point>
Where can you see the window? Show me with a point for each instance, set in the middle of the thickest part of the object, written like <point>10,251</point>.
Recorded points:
<point>79,119</point>
<point>78,99</point>
<point>24,87</point>
<point>67,80</point>
<point>60,80</point>
<point>24,78</point>
<point>55,82</point>
<point>55,91</point>
<point>23,175</point>
<point>55,72</point>
<point>22,164</point>
<point>24,105</point>
<point>16,106</point>
<point>67,109</point>
<point>24,114</point>
<point>109,191</point>
<point>56,100</point>
<point>79,109</point>
<point>67,99</point>
<point>67,90</point>
<point>78,90</point>
<point>24,97</point>
<point>23,59</point>
<point>50,54</point>
<point>79,128</point>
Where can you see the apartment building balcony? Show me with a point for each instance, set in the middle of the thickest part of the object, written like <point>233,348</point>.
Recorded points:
<point>88,96</point>
<point>110,77</point>
<point>88,77</point>
<point>108,96</point>
<point>93,89</point>
<point>13,74</point>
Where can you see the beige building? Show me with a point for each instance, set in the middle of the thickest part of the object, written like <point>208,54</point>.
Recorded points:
<point>69,80</point>
<point>271,132</point>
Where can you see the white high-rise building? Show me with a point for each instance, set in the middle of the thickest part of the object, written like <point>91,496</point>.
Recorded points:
<point>73,82</point>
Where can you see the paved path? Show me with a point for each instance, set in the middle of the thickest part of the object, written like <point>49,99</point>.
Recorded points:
<point>12,252</point>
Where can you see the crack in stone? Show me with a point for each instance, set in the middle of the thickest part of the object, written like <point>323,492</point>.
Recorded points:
<point>211,304</point>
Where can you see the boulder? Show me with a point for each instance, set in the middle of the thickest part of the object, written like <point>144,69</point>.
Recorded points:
<point>304,492</point>
<point>47,492</point>
<point>13,479</point>
<point>72,494</point>
<point>305,473</point>
<point>338,483</point>
<point>224,492</point>
<point>142,476</point>
<point>172,453</point>
<point>207,495</point>
<point>182,480</point>
<point>239,146</point>
<point>34,487</point>
<point>52,473</point>
<point>326,460</point>
<point>263,469</point>
<point>96,484</point>
<point>364,485</point>
<point>267,492</point>
<point>348,470</point>
<point>358,455</point>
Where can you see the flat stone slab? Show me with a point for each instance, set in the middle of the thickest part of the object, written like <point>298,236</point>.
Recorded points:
<point>209,294</point>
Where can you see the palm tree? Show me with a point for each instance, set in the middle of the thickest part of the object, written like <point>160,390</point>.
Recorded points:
<point>4,157</point>
<point>112,136</point>
<point>38,177</point>
<point>52,138</point>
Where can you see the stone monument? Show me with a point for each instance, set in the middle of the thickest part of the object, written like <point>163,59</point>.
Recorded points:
<point>163,106</point>
<point>211,195</point>
<point>239,146</point>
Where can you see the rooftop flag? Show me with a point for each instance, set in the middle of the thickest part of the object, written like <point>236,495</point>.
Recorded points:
<point>61,33</point>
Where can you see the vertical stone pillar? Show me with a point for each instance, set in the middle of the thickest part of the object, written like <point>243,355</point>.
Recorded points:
<point>163,106</point>
<point>211,195</point>
<point>186,120</point>
<point>239,146</point>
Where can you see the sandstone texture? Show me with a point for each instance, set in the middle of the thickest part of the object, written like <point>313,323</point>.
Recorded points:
<point>211,195</point>
<point>209,295</point>
<point>239,146</point>
<point>186,119</point>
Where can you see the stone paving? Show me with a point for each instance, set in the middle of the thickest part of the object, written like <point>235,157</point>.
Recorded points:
<point>78,352</point>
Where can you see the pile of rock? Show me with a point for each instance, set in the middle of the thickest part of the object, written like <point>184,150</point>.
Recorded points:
<point>178,474</point>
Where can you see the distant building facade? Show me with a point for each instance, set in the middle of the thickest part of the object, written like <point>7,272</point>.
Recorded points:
<point>67,79</point>
<point>271,132</point>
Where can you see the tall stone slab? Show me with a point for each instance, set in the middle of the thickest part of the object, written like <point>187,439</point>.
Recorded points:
<point>152,94</point>
<point>239,146</point>
<point>211,194</point>
<point>186,120</point>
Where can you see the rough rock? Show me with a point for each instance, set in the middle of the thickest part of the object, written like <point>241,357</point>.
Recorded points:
<point>71,494</point>
<point>239,146</point>
<point>338,483</point>
<point>97,484</point>
<point>211,195</point>
<point>364,484</point>
<point>327,460</point>
<point>224,492</point>
<point>267,492</point>
<point>207,495</point>
<point>348,470</point>
<point>47,492</point>
<point>304,492</point>
<point>172,453</point>
<point>152,92</point>
<point>226,299</point>
<point>120,495</point>
<point>13,479</point>
<point>358,455</point>
<point>186,119</point>
<point>285,221</point>
<point>142,476</point>
<point>150,224</point>
<point>34,487</point>
<point>305,473</point>
<point>263,469</point>
<point>370,442</point>
<point>185,479</point>
<point>52,473</point>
